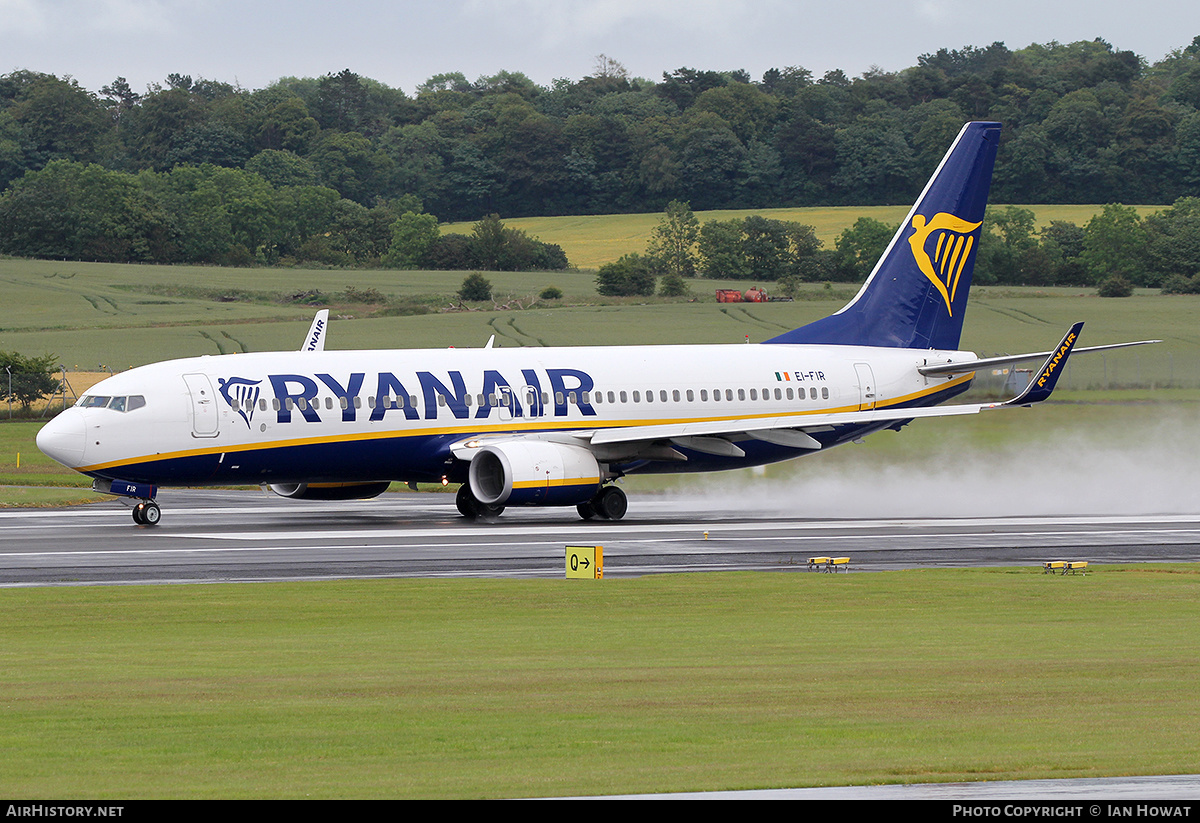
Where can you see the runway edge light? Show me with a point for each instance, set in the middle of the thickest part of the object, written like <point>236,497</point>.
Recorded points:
<point>585,562</point>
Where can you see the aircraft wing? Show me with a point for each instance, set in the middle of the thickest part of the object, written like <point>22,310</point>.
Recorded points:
<point>792,430</point>
<point>713,436</point>
<point>710,436</point>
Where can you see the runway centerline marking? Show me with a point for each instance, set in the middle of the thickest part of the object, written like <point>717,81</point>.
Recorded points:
<point>718,544</point>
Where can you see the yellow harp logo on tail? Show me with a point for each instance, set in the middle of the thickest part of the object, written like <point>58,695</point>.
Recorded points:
<point>952,243</point>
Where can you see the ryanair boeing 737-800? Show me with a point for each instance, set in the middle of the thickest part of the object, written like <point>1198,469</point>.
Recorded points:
<point>555,426</point>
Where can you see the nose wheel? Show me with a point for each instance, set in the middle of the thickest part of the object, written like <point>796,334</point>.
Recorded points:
<point>147,513</point>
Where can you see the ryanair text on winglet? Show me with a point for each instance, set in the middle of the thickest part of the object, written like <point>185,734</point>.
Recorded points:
<point>1053,364</point>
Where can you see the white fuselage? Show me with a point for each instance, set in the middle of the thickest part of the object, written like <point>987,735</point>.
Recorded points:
<point>355,416</point>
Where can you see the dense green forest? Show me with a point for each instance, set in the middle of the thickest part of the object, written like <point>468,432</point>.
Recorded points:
<point>344,170</point>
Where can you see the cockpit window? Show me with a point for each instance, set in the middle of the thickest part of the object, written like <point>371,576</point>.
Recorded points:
<point>122,404</point>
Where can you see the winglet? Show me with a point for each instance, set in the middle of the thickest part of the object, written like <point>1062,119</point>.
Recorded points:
<point>1042,385</point>
<point>316,332</point>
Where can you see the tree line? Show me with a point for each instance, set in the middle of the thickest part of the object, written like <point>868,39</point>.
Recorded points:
<point>1116,251</point>
<point>340,158</point>
<point>212,214</point>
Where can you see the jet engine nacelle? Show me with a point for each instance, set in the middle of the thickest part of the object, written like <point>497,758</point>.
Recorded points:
<point>533,473</point>
<point>330,491</point>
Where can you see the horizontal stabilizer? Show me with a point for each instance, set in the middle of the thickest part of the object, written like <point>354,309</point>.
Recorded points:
<point>965,366</point>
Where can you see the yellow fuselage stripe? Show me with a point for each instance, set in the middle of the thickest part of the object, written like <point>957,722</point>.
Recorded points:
<point>492,426</point>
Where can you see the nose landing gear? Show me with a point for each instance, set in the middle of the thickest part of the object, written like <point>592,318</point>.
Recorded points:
<point>147,513</point>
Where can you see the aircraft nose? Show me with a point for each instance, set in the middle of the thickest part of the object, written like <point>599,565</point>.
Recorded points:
<point>63,438</point>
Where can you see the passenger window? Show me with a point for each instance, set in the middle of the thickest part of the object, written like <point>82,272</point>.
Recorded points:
<point>275,403</point>
<point>754,394</point>
<point>650,396</point>
<point>611,398</point>
<point>690,396</point>
<point>637,396</point>
<point>813,393</point>
<point>370,402</point>
<point>741,394</point>
<point>729,394</point>
<point>262,404</point>
<point>558,398</point>
<point>790,395</point>
<point>624,398</point>
<point>704,394</point>
<point>824,393</point>
<point>662,395</point>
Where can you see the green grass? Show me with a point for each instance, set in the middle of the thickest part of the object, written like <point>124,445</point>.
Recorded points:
<point>537,688</point>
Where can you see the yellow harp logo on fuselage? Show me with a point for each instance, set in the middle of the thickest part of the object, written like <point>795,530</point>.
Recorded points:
<point>951,250</point>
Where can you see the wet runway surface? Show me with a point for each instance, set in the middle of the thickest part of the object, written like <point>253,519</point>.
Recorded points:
<point>1117,790</point>
<point>247,535</point>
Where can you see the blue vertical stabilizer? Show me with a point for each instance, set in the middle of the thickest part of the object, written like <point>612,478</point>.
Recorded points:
<point>916,295</point>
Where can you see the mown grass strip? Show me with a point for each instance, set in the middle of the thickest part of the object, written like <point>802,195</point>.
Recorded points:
<point>417,688</point>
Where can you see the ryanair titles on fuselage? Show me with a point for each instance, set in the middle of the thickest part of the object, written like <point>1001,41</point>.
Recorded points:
<point>297,393</point>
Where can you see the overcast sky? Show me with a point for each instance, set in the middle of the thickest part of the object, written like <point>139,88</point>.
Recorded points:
<point>402,43</point>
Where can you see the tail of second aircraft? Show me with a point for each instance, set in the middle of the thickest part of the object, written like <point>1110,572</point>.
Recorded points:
<point>916,295</point>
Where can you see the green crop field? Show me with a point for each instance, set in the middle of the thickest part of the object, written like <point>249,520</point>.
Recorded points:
<point>591,241</point>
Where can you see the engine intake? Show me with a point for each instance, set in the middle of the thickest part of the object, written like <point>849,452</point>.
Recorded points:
<point>533,473</point>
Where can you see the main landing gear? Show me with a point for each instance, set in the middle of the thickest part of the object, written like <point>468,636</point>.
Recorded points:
<point>471,508</point>
<point>610,503</point>
<point>147,513</point>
